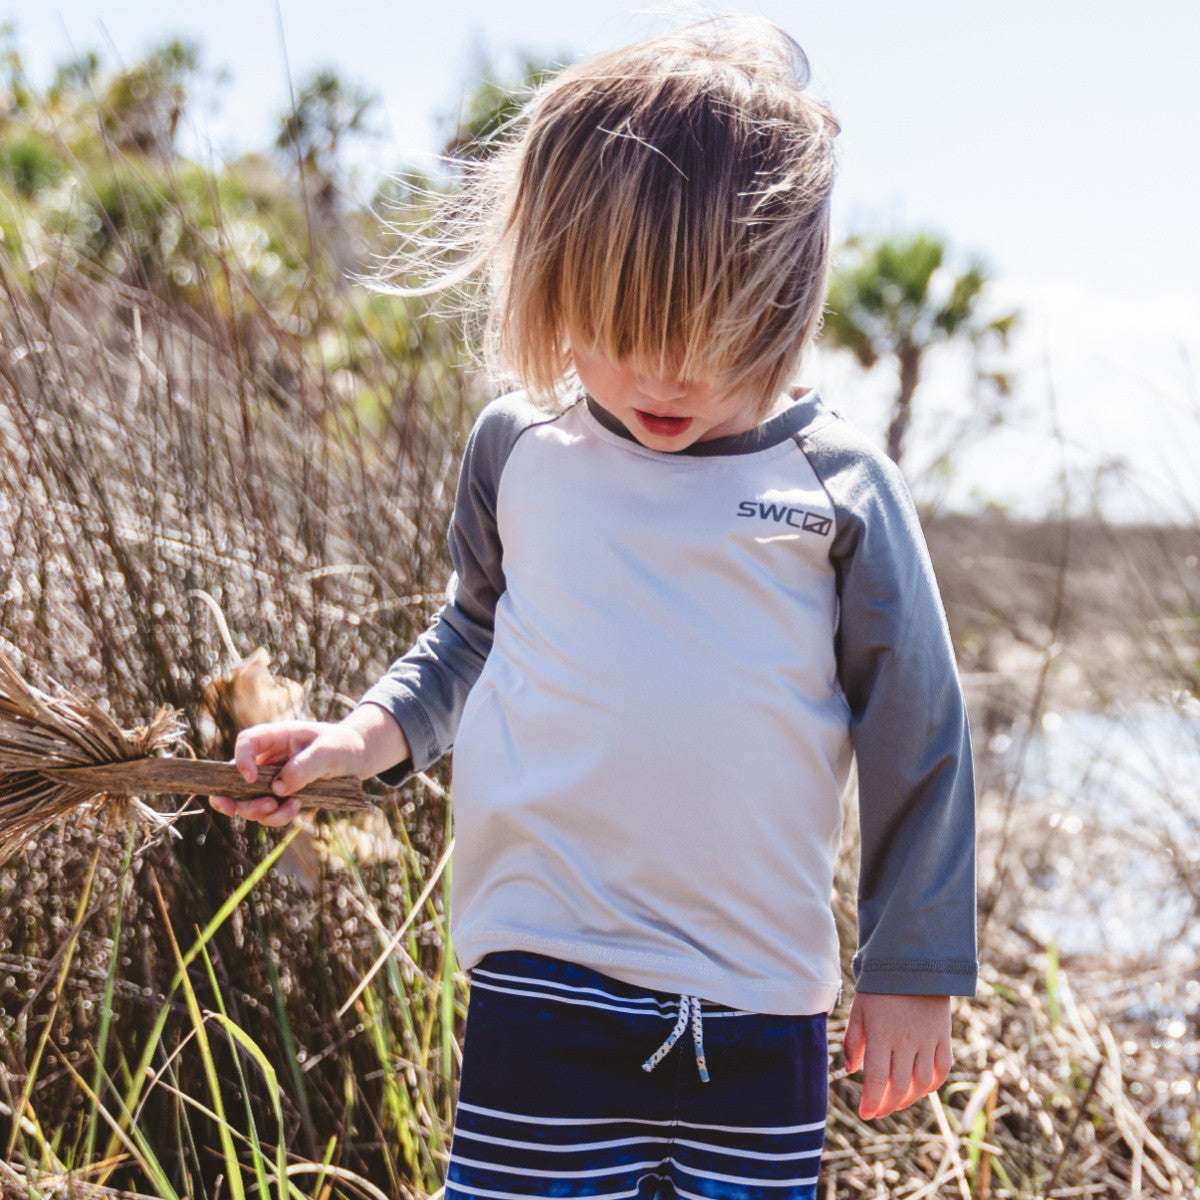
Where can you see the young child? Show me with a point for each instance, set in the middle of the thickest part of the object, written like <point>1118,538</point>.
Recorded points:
<point>683,599</point>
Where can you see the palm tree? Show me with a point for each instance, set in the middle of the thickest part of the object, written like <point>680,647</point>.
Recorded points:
<point>144,104</point>
<point>327,112</point>
<point>892,299</point>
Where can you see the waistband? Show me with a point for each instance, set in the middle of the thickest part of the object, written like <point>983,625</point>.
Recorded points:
<point>553,981</point>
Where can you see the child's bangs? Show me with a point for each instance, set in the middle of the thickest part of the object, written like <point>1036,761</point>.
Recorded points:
<point>647,273</point>
<point>689,337</point>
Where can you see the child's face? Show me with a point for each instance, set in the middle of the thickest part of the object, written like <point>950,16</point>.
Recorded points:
<point>661,412</point>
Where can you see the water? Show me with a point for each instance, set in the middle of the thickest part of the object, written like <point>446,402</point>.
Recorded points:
<point>1108,814</point>
<point>1105,867</point>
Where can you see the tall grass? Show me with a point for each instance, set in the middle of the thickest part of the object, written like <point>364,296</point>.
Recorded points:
<point>295,463</point>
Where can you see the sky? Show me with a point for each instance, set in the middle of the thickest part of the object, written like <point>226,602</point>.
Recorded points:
<point>1054,138</point>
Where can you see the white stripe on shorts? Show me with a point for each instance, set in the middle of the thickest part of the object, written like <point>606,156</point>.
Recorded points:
<point>477,982</point>
<point>811,1127</point>
<point>662,1008</point>
<point>573,1147</point>
<point>490,1195</point>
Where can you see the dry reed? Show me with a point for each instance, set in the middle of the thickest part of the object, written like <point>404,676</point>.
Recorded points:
<point>58,753</point>
<point>293,460</point>
<point>1048,1099</point>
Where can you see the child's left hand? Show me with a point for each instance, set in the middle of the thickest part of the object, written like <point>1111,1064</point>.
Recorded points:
<point>903,1044</point>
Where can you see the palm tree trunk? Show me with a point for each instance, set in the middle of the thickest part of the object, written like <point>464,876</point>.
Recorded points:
<point>910,371</point>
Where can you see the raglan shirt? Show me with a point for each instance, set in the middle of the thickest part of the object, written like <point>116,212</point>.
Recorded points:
<point>655,670</point>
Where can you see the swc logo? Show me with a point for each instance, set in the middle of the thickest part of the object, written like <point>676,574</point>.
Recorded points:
<point>782,514</point>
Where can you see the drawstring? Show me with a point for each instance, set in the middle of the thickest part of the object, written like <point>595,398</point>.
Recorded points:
<point>689,1006</point>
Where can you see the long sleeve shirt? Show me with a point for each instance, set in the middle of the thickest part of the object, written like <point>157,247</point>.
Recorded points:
<point>655,670</point>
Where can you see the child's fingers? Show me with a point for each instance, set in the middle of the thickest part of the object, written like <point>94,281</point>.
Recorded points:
<point>271,743</point>
<point>920,1081</point>
<point>276,742</point>
<point>275,812</point>
<point>250,744</point>
<point>907,1050</point>
<point>877,1078</point>
<point>853,1041</point>
<point>266,810</point>
<point>258,809</point>
<point>929,1069</point>
<point>943,1060</point>
<point>310,764</point>
<point>299,770</point>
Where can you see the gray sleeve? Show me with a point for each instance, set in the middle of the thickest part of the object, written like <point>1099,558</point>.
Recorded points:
<point>916,901</point>
<point>426,688</point>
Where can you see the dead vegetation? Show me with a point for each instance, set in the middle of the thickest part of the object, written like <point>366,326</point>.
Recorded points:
<point>62,752</point>
<point>1115,606</point>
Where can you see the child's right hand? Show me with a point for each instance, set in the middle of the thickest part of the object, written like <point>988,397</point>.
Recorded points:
<point>366,742</point>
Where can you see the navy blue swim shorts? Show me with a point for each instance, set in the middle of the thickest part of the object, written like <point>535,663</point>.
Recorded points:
<point>575,1084</point>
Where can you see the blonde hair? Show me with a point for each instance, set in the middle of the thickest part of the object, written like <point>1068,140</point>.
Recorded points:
<point>665,204</point>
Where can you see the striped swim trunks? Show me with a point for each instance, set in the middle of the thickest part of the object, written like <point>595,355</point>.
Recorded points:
<point>575,1084</point>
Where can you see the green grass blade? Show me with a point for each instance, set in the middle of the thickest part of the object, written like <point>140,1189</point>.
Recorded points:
<point>233,1167</point>
<point>223,1018</point>
<point>134,1140</point>
<point>23,1105</point>
<point>244,1040</point>
<point>1052,984</point>
<point>300,1087</point>
<point>183,1129</point>
<point>326,1159</point>
<point>397,1113</point>
<point>1196,1146</point>
<point>143,1070</point>
<point>106,1007</point>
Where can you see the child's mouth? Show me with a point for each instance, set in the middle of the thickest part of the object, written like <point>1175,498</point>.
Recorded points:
<point>662,426</point>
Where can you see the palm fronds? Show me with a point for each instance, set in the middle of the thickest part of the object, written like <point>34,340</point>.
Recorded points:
<point>59,752</point>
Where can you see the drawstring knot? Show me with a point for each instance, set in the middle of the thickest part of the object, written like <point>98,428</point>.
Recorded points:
<point>689,1008</point>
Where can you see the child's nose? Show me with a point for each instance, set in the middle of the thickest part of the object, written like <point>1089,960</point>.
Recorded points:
<point>661,389</point>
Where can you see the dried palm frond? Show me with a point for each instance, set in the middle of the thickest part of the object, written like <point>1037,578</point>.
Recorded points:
<point>245,694</point>
<point>60,752</point>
